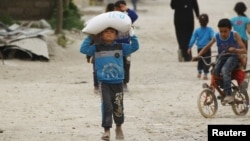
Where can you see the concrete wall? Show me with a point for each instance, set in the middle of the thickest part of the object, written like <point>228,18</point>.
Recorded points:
<point>87,3</point>
<point>27,9</point>
<point>39,9</point>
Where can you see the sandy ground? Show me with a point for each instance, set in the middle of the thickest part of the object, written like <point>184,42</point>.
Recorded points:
<point>54,101</point>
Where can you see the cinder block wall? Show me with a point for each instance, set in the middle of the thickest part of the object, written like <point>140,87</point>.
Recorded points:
<point>27,9</point>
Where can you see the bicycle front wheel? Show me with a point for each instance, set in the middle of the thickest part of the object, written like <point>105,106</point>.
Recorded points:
<point>207,103</point>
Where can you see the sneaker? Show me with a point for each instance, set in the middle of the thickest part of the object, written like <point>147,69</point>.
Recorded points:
<point>96,90</point>
<point>125,87</point>
<point>228,99</point>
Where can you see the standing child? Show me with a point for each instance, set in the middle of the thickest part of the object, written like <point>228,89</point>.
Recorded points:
<point>229,46</point>
<point>90,59</point>
<point>241,22</point>
<point>108,63</point>
<point>202,36</point>
<point>124,37</point>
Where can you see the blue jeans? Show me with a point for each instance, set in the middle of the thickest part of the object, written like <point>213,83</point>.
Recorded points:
<point>224,66</point>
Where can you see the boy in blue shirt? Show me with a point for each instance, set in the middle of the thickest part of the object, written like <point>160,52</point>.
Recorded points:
<point>230,46</point>
<point>108,55</point>
<point>202,36</point>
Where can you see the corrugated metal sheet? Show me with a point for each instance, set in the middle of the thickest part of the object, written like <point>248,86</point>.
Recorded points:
<point>35,45</point>
<point>20,40</point>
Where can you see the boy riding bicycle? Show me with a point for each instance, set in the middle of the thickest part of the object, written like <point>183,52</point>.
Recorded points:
<point>230,48</point>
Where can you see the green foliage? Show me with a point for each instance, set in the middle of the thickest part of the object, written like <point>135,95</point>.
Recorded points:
<point>71,17</point>
<point>6,19</point>
<point>62,40</point>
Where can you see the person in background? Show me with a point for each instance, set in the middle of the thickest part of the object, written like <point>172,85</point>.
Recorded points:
<point>134,3</point>
<point>202,35</point>
<point>108,55</point>
<point>229,46</point>
<point>241,22</point>
<point>184,24</point>
<point>109,1</point>
<point>124,37</point>
<point>90,59</point>
<point>110,7</point>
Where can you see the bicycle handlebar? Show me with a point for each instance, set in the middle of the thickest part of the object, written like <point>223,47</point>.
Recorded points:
<point>213,63</point>
<point>205,62</point>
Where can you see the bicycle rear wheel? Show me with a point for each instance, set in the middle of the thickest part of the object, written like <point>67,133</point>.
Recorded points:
<point>241,103</point>
<point>207,103</point>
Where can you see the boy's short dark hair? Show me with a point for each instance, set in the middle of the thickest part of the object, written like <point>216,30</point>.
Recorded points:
<point>117,3</point>
<point>225,23</point>
<point>203,19</point>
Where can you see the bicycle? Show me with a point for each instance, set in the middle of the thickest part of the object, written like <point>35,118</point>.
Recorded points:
<point>208,102</point>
